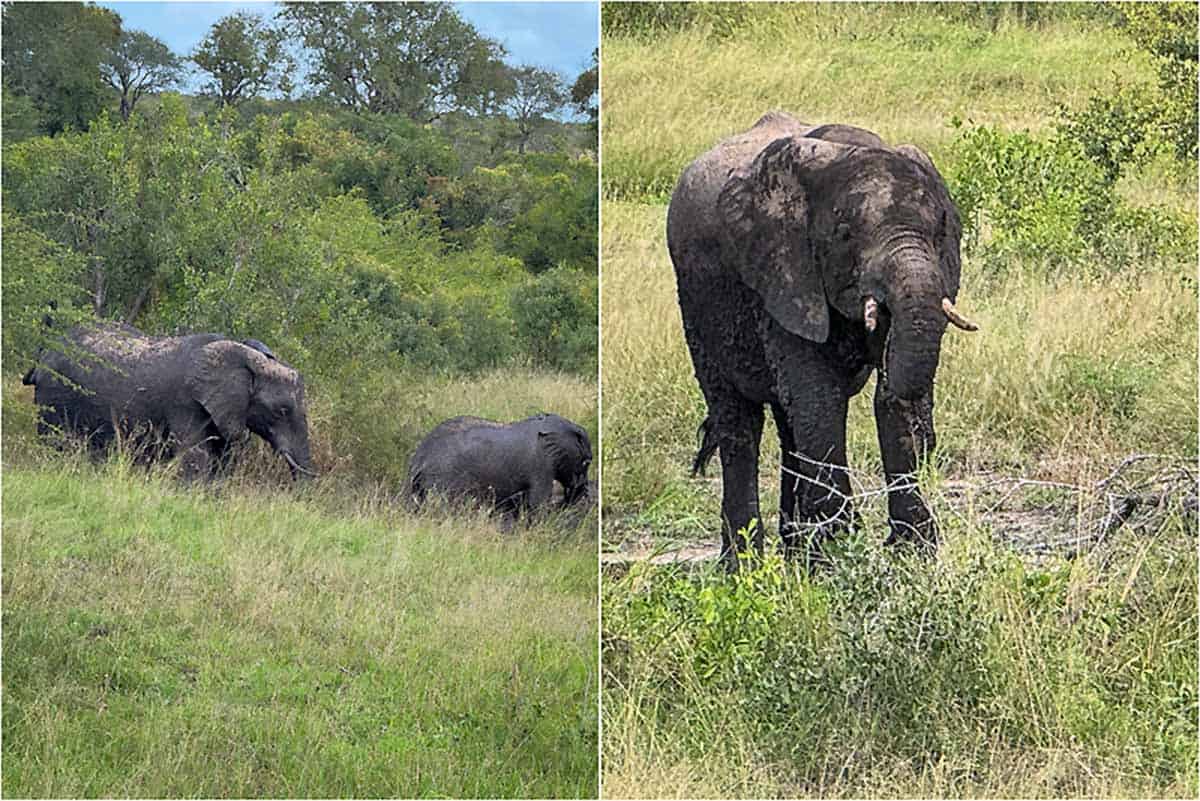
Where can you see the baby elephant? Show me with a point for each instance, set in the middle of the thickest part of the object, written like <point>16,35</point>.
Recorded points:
<point>511,467</point>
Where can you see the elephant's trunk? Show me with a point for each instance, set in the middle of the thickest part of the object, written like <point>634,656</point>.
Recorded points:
<point>918,322</point>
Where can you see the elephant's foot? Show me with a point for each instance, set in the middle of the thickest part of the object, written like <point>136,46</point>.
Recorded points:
<point>744,547</point>
<point>806,540</point>
<point>922,535</point>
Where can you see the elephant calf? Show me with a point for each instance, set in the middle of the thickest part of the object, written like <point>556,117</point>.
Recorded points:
<point>511,467</point>
<point>194,395</point>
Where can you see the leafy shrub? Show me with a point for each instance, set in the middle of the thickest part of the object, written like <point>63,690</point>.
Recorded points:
<point>1116,131</point>
<point>1040,198</point>
<point>540,208</point>
<point>555,315</point>
<point>1168,31</point>
<point>1051,202</point>
<point>38,274</point>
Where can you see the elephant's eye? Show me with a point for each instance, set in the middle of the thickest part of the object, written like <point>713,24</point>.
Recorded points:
<point>284,411</point>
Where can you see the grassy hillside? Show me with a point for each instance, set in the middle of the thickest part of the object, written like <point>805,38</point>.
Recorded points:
<point>1002,668</point>
<point>903,75</point>
<point>244,640</point>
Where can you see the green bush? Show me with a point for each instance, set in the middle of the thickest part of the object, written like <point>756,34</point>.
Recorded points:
<point>1050,202</point>
<point>1041,198</point>
<point>39,275</point>
<point>1168,31</point>
<point>889,655</point>
<point>555,315</point>
<point>1118,131</point>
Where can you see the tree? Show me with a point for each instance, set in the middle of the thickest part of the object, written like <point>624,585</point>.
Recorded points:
<point>536,93</point>
<point>485,82</point>
<point>52,53</point>
<point>415,59</point>
<point>138,64</point>
<point>245,57</point>
<point>585,88</point>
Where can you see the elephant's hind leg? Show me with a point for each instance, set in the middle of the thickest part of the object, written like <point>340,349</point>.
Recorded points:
<point>738,428</point>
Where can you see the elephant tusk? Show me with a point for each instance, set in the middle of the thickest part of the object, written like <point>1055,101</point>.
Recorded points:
<point>953,316</point>
<point>296,465</point>
<point>870,314</point>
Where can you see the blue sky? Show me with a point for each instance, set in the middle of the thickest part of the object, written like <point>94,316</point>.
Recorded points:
<point>559,36</point>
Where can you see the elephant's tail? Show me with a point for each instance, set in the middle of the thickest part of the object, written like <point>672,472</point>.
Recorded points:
<point>30,378</point>
<point>708,446</point>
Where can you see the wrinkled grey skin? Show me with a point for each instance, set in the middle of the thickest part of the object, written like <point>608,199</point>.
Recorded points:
<point>188,396</point>
<point>779,236</point>
<point>512,467</point>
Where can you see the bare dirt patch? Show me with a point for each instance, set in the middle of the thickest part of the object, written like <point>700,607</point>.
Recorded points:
<point>1038,517</point>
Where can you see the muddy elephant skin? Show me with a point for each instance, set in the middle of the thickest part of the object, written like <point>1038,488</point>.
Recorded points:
<point>511,467</point>
<point>187,396</point>
<point>807,257</point>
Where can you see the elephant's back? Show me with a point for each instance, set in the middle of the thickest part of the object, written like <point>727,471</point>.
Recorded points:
<point>463,457</point>
<point>442,450</point>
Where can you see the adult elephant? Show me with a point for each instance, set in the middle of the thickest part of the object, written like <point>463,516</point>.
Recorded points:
<point>806,257</point>
<point>511,467</point>
<point>193,396</point>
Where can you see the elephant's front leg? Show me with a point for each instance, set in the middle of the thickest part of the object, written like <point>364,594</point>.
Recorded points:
<point>738,430</point>
<point>529,502</point>
<point>195,445</point>
<point>906,438</point>
<point>815,492</point>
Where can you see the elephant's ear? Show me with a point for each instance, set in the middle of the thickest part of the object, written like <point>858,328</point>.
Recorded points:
<point>765,210</point>
<point>564,443</point>
<point>222,381</point>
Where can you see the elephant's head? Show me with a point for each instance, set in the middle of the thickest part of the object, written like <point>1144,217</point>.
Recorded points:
<point>244,388</point>
<point>818,228</point>
<point>570,452</point>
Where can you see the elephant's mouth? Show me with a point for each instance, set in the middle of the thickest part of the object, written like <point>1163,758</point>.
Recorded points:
<point>877,320</point>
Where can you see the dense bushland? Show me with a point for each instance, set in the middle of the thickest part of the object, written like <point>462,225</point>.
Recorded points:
<point>985,671</point>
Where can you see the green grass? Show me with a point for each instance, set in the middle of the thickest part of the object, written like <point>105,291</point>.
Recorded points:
<point>248,640</point>
<point>973,676</point>
<point>1044,677</point>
